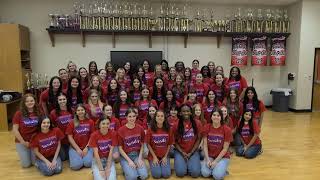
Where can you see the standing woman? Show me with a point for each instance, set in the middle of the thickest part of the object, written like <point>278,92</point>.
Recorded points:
<point>141,76</point>
<point>212,69</point>
<point>234,106</point>
<point>143,104</point>
<point>209,105</point>
<point>49,96</point>
<point>74,94</point>
<point>131,138</point>
<point>216,141</point>
<point>121,79</point>
<point>95,84</point>
<point>25,122</point>
<point>121,107</point>
<point>206,75</point>
<point>169,101</point>
<point>103,142</point>
<point>112,92</point>
<point>180,89</point>
<point>159,139</point>
<point>149,75</point>
<point>200,87</point>
<point>64,76</point>
<point>187,141</point>
<point>249,131</point>
<point>172,77</point>
<point>252,103</point>
<point>103,78</point>
<point>237,81</point>
<point>60,118</point>
<point>158,91</point>
<point>93,68</point>
<point>219,87</point>
<point>165,67</point>
<point>195,69</point>
<point>108,113</point>
<point>111,73</point>
<point>188,78</point>
<point>94,106</point>
<point>72,69</point>
<point>46,146</point>
<point>84,78</point>
<point>79,131</point>
<point>135,90</point>
<point>219,69</point>
<point>128,71</point>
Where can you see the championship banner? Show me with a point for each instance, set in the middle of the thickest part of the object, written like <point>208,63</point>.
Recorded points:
<point>259,51</point>
<point>239,55</point>
<point>278,51</point>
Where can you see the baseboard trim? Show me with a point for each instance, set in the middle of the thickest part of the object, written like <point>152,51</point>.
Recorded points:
<point>294,110</point>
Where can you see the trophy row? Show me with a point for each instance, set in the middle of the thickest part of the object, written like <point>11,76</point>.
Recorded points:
<point>36,81</point>
<point>142,17</point>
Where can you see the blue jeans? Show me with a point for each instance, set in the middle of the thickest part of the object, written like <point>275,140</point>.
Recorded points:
<point>133,174</point>
<point>96,170</point>
<point>77,162</point>
<point>191,165</point>
<point>250,153</point>
<point>236,140</point>
<point>218,172</point>
<point>45,170</point>
<point>160,171</point>
<point>64,152</point>
<point>26,155</point>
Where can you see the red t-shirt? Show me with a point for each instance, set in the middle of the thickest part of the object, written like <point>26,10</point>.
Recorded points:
<point>170,83</point>
<point>201,91</point>
<point>194,73</point>
<point>27,125</point>
<point>143,108</point>
<point>124,84</point>
<point>122,113</point>
<point>94,113</point>
<point>172,120</point>
<point>149,76</point>
<point>131,140</point>
<point>208,81</point>
<point>64,86</point>
<point>216,138</point>
<point>188,139</point>
<point>112,97</point>
<point>256,114</point>
<point>44,98</point>
<point>159,141</point>
<point>207,110</point>
<point>239,85</point>
<point>245,133</point>
<point>81,133</point>
<point>103,142</point>
<point>136,95</point>
<point>47,143</point>
<point>221,92</point>
<point>114,124</point>
<point>180,93</point>
<point>61,122</point>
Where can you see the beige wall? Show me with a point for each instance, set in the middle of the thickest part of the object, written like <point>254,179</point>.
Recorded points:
<point>47,59</point>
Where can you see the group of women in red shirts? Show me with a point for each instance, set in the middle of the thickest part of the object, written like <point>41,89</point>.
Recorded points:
<point>95,118</point>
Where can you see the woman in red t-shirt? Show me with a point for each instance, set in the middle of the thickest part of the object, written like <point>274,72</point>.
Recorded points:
<point>169,101</point>
<point>135,90</point>
<point>216,141</point>
<point>200,88</point>
<point>210,103</point>
<point>95,84</point>
<point>143,105</point>
<point>148,74</point>
<point>122,80</point>
<point>187,139</point>
<point>227,119</point>
<point>64,76</point>
<point>74,94</point>
<point>197,113</point>
<point>249,131</point>
<point>131,139</point>
<point>110,72</point>
<point>103,142</point>
<point>158,91</point>
<point>252,103</point>
<point>219,87</point>
<point>84,78</point>
<point>25,122</point>
<point>79,131</point>
<point>121,106</point>
<point>72,69</point>
<point>61,117</point>
<point>234,106</point>
<point>94,106</point>
<point>159,139</point>
<point>191,99</point>
<point>236,81</point>
<point>195,69</point>
<point>188,78</point>
<point>48,97</point>
<point>112,92</point>
<point>103,79</point>
<point>46,146</point>
<point>171,77</point>
<point>180,89</point>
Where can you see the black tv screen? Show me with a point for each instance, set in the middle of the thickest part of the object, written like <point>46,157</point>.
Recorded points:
<point>119,58</point>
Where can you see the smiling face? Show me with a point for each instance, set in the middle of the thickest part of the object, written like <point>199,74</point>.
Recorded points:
<point>169,95</point>
<point>94,97</point>
<point>211,66</point>
<point>159,83</point>
<point>109,67</point>
<point>62,101</point>
<point>123,96</point>
<point>108,111</point>
<point>131,117</point>
<point>72,67</point>
<point>63,74</point>
<point>83,73</point>
<point>159,117</point>
<point>29,102</point>
<point>219,69</point>
<point>145,93</point>
<point>199,78</point>
<point>211,95</point>
<point>136,83</point>
<point>224,111</point>
<point>74,83</point>
<point>233,95</point>
<point>45,125</point>
<point>234,72</point>
<point>127,66</point>
<point>216,118</point>
<point>113,84</point>
<point>247,116</point>
<point>187,73</point>
<point>172,72</point>
<point>56,84</point>
<point>92,67</point>
<point>186,112</point>
<point>152,111</point>
<point>95,81</point>
<point>219,79</point>
<point>250,94</point>
<point>80,112</point>
<point>195,64</point>
<point>146,66</point>
<point>179,79</point>
<point>104,124</point>
<point>164,65</point>
<point>102,74</point>
<point>197,110</point>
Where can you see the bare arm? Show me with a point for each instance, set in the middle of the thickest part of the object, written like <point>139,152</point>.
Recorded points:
<point>57,151</point>
<point>205,148</point>
<point>40,156</point>
<point>97,158</point>
<point>73,143</point>
<point>15,130</point>
<point>254,138</point>
<point>261,119</point>
<point>223,151</point>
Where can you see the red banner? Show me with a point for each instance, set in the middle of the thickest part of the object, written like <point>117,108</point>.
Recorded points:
<point>259,51</point>
<point>239,55</point>
<point>278,51</point>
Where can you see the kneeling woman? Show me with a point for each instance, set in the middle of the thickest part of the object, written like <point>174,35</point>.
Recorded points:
<point>187,140</point>
<point>46,146</point>
<point>159,139</point>
<point>131,139</point>
<point>103,142</point>
<point>216,141</point>
<point>79,131</point>
<point>249,131</point>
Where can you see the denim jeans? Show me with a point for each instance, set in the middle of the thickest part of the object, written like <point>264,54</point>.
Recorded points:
<point>96,170</point>
<point>183,166</point>
<point>77,162</point>
<point>26,155</point>
<point>130,173</point>
<point>252,152</point>
<point>236,140</point>
<point>218,172</point>
<point>64,152</point>
<point>160,171</point>
<point>45,170</point>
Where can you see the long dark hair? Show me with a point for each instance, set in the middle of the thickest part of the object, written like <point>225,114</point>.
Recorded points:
<point>58,109</point>
<point>150,66</point>
<point>181,125</point>
<point>155,90</point>
<point>220,113</point>
<point>202,72</point>
<point>52,95</point>
<point>153,123</point>
<point>215,102</point>
<point>95,71</point>
<point>241,124</point>
<point>255,100</point>
<point>40,122</point>
<point>78,91</point>
<point>238,77</point>
<point>132,89</point>
<point>236,111</point>
<point>116,106</point>
<point>149,118</point>
<point>165,61</point>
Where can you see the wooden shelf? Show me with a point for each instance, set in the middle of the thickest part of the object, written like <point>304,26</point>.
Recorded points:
<point>185,34</point>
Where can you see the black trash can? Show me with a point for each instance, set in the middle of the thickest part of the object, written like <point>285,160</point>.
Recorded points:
<point>280,99</point>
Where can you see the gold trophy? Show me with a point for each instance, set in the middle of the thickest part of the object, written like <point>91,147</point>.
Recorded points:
<point>161,19</point>
<point>184,21</point>
<point>167,23</point>
<point>268,21</point>
<point>28,83</point>
<point>134,19</point>
<point>153,21</point>
<point>258,22</point>
<point>198,25</point>
<point>239,21</point>
<point>286,22</point>
<point>228,22</point>
<point>249,21</point>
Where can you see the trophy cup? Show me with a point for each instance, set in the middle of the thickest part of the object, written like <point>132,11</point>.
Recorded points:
<point>184,21</point>
<point>286,22</point>
<point>52,21</point>
<point>144,19</point>
<point>125,18</point>
<point>198,22</point>
<point>239,21</point>
<point>167,20</point>
<point>249,21</point>
<point>153,20</point>
<point>134,19</point>
<point>258,22</point>
<point>268,21</point>
<point>228,22</point>
<point>277,21</point>
<point>176,20</point>
<point>28,83</point>
<point>46,82</point>
<point>206,22</point>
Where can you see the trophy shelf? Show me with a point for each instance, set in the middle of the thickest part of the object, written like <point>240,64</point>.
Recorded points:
<point>185,34</point>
